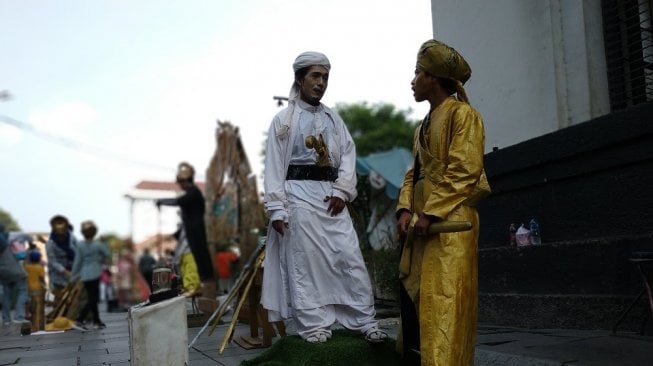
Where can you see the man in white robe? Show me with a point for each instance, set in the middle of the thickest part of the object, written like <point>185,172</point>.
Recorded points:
<point>314,269</point>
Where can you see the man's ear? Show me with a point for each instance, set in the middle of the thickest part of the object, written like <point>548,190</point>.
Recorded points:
<point>433,79</point>
<point>435,82</point>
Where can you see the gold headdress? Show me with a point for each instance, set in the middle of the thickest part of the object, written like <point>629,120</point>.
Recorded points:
<point>441,60</point>
<point>185,172</point>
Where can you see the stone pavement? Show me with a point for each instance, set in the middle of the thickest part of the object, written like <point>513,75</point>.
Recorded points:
<point>495,346</point>
<point>549,347</point>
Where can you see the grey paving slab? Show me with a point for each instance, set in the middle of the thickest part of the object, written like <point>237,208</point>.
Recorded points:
<point>509,346</point>
<point>91,345</point>
<point>491,358</point>
<point>105,358</point>
<point>61,362</point>
<point>496,345</point>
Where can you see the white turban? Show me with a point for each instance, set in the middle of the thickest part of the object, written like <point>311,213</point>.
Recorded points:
<point>310,58</point>
<point>307,59</point>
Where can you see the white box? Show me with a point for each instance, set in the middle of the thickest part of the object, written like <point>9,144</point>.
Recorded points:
<point>158,333</point>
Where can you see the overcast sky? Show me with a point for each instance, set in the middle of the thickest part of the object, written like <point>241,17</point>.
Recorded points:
<point>110,93</point>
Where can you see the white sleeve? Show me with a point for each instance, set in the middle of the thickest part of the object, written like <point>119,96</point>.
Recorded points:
<point>274,175</point>
<point>345,186</point>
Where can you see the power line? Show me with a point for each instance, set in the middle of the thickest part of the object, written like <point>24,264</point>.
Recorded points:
<point>79,146</point>
<point>5,95</point>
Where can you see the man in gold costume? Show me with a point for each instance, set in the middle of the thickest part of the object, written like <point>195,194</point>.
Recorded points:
<point>439,284</point>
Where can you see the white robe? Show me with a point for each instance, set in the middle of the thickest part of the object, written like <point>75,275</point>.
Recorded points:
<point>317,261</point>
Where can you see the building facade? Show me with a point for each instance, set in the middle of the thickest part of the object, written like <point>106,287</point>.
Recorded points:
<point>541,66</point>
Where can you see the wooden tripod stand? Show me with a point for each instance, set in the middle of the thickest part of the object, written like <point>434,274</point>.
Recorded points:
<point>250,274</point>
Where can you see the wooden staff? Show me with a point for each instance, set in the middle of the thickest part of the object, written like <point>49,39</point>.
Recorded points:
<point>245,274</point>
<point>234,319</point>
<point>219,312</point>
<point>59,308</point>
<point>437,227</point>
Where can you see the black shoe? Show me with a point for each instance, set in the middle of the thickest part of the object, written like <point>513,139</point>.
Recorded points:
<point>99,325</point>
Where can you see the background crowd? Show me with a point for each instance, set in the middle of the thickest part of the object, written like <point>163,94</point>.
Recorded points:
<point>67,275</point>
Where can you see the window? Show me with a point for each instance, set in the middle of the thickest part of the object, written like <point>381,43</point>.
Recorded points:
<point>628,40</point>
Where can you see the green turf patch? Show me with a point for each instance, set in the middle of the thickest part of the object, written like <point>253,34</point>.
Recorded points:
<point>345,348</point>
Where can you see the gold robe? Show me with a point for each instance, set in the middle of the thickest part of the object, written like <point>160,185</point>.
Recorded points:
<point>441,275</point>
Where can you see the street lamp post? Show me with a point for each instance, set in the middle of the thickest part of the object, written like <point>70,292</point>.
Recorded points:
<point>131,215</point>
<point>4,95</point>
<point>280,100</point>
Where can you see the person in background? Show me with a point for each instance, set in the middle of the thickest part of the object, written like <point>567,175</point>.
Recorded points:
<point>60,250</point>
<point>314,268</point>
<point>36,289</point>
<point>125,278</point>
<point>192,206</point>
<point>32,248</point>
<point>439,272</point>
<point>224,262</point>
<point>168,258</point>
<point>146,265</point>
<point>184,264</point>
<point>89,258</point>
<point>105,284</point>
<point>12,278</point>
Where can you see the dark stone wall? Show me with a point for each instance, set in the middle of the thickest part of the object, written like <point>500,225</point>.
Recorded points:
<point>591,180</point>
<point>589,186</point>
<point>593,267</point>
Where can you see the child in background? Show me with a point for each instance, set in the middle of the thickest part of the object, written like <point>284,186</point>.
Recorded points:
<point>89,258</point>
<point>36,289</point>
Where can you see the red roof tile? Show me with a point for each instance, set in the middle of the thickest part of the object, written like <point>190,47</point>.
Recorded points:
<point>163,186</point>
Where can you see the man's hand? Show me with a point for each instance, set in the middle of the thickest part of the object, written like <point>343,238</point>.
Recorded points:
<point>403,222</point>
<point>336,205</point>
<point>279,225</point>
<point>423,223</point>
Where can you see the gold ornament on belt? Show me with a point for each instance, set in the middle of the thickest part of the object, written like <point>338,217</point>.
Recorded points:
<point>321,149</point>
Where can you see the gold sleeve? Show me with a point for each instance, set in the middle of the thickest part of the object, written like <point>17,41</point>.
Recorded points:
<point>464,163</point>
<point>405,199</point>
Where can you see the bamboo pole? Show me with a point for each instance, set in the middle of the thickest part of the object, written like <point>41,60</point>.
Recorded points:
<point>219,312</point>
<point>234,319</point>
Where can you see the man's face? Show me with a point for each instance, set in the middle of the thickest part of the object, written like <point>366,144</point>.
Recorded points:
<point>60,229</point>
<point>184,184</point>
<point>313,86</point>
<point>422,85</point>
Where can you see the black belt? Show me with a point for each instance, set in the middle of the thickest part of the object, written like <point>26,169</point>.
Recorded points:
<point>312,172</point>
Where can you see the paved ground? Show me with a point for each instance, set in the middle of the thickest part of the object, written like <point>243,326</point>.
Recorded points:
<point>496,346</point>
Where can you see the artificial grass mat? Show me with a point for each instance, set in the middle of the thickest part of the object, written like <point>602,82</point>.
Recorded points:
<point>345,348</point>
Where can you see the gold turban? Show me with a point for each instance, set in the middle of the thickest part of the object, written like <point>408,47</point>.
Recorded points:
<point>443,61</point>
<point>185,172</point>
<point>440,60</point>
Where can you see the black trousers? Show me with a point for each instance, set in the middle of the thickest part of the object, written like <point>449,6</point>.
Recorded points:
<point>93,296</point>
<point>409,328</point>
<point>148,278</point>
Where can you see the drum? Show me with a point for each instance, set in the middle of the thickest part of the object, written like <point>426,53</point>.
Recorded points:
<point>161,279</point>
